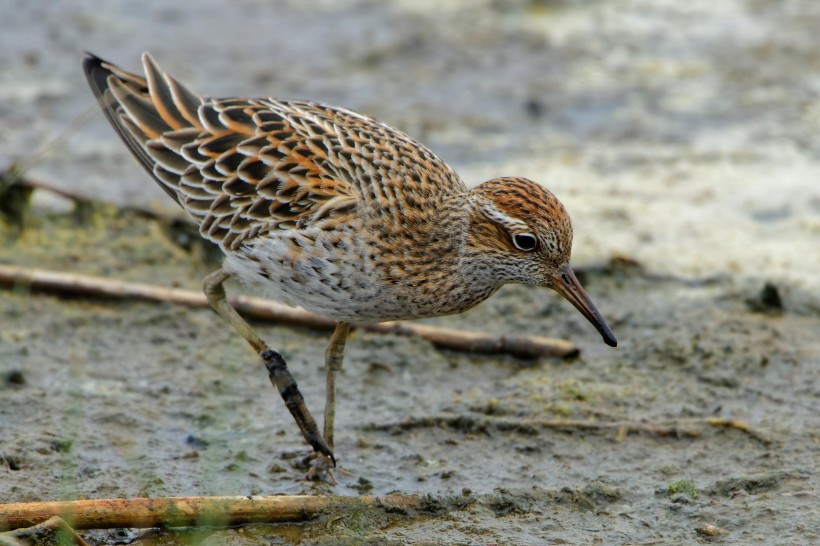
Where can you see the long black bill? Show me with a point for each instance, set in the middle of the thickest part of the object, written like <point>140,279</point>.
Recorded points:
<point>566,283</point>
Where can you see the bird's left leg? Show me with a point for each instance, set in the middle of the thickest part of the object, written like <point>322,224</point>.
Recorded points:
<point>278,372</point>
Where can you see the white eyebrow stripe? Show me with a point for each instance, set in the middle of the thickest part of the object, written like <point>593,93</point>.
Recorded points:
<point>494,213</point>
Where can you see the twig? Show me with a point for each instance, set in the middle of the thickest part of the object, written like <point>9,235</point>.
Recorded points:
<point>192,511</point>
<point>260,309</point>
<point>742,426</point>
<point>467,423</point>
<point>52,531</point>
<point>15,176</point>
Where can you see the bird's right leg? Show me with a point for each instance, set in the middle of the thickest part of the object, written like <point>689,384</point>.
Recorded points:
<point>321,466</point>
<point>278,372</point>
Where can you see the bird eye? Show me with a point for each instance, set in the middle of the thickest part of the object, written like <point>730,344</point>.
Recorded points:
<point>524,241</point>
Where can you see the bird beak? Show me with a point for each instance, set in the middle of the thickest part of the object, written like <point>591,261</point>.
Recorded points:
<point>566,283</point>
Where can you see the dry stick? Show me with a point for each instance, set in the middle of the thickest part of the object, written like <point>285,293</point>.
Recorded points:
<point>257,308</point>
<point>194,511</point>
<point>679,427</point>
<point>52,531</point>
<point>13,176</point>
<point>26,181</point>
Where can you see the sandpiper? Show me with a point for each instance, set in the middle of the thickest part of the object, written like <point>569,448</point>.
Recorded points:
<point>335,212</point>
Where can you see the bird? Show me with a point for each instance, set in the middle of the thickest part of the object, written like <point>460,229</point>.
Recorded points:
<point>336,212</point>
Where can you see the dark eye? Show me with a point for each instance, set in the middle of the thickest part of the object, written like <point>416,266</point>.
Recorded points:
<point>524,241</point>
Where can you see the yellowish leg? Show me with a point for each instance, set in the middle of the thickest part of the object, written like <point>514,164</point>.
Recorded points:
<point>334,354</point>
<point>278,372</point>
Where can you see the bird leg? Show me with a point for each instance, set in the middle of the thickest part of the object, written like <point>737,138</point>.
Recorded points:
<point>334,354</point>
<point>278,372</point>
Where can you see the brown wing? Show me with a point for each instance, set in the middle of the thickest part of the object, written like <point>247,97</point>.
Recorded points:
<point>240,167</point>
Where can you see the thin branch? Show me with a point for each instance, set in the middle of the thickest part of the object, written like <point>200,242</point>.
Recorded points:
<point>260,309</point>
<point>195,511</point>
<point>676,428</point>
<point>51,531</point>
<point>15,176</point>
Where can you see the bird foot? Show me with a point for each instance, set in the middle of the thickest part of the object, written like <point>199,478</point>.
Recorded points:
<point>321,468</point>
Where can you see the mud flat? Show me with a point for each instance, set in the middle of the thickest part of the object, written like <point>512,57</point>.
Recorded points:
<point>681,139</point>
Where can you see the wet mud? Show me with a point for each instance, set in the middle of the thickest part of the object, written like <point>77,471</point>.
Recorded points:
<point>688,161</point>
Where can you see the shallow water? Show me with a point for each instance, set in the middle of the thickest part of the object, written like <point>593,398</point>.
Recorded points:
<point>681,137</point>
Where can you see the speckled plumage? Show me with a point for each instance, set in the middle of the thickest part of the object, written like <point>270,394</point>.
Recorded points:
<point>330,209</point>
<point>334,211</point>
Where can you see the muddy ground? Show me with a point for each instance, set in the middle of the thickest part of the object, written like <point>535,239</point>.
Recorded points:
<point>683,141</point>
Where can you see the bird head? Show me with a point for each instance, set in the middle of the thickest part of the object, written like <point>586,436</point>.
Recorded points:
<point>519,232</point>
